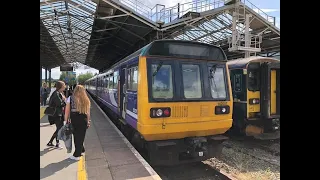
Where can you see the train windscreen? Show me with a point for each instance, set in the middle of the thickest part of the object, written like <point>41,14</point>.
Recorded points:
<point>254,77</point>
<point>217,82</point>
<point>186,81</point>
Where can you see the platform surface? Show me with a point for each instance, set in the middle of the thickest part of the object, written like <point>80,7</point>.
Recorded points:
<point>108,156</point>
<point>54,163</point>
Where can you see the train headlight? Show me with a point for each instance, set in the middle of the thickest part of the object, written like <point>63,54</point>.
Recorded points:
<point>254,101</point>
<point>222,110</point>
<point>160,112</point>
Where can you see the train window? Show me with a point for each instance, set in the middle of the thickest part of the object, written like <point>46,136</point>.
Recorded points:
<point>162,81</point>
<point>107,82</point>
<point>133,78</point>
<point>253,80</point>
<point>191,81</point>
<point>129,78</point>
<point>115,80</point>
<point>237,81</point>
<point>217,82</point>
<point>111,82</point>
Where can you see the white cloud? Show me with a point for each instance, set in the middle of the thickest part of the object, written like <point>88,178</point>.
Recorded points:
<point>266,10</point>
<point>278,22</point>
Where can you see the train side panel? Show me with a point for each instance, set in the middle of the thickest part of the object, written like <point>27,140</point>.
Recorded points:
<point>131,107</point>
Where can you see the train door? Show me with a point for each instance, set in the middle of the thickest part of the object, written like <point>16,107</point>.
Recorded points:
<point>275,89</point>
<point>270,89</point>
<point>123,89</point>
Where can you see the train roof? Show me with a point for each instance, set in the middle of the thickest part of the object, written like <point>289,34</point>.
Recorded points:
<point>242,63</point>
<point>153,49</point>
<point>178,49</point>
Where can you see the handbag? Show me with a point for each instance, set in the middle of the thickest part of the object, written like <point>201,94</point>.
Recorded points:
<point>51,120</point>
<point>50,111</point>
<point>68,129</point>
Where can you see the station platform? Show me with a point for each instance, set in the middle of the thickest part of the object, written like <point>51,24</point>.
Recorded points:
<point>54,163</point>
<point>108,156</point>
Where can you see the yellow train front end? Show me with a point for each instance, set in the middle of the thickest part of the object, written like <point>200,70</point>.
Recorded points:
<point>187,129</point>
<point>187,119</point>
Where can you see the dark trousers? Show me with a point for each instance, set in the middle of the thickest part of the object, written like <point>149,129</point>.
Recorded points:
<point>59,123</point>
<point>44,100</point>
<point>79,125</point>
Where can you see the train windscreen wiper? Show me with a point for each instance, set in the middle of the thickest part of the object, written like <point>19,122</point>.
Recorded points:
<point>158,68</point>
<point>212,73</point>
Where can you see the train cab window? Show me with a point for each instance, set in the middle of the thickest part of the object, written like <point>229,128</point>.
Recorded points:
<point>191,81</point>
<point>115,80</point>
<point>254,77</point>
<point>217,82</point>
<point>162,81</point>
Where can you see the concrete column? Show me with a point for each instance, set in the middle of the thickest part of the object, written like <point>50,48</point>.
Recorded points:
<point>49,79</point>
<point>40,76</point>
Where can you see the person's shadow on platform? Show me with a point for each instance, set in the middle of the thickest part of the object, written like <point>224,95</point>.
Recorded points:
<point>46,150</point>
<point>52,168</point>
<point>45,125</point>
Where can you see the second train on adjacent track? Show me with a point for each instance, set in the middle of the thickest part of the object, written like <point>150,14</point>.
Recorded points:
<point>256,93</point>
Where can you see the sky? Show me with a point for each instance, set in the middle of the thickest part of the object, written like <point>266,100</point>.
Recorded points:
<point>270,7</point>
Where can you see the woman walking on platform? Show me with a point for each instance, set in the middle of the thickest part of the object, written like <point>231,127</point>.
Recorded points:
<point>57,100</point>
<point>78,108</point>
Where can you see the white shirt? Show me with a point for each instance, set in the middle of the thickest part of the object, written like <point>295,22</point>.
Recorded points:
<point>68,99</point>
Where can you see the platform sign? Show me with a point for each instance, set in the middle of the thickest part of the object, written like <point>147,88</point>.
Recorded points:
<point>66,67</point>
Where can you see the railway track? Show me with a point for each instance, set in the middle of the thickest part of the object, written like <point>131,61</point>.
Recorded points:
<point>266,150</point>
<point>271,146</point>
<point>192,171</point>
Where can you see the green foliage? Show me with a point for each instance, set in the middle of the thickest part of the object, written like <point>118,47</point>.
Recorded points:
<point>83,77</point>
<point>72,79</point>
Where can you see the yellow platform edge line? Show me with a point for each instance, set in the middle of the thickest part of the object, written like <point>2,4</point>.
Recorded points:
<point>42,112</point>
<point>82,174</point>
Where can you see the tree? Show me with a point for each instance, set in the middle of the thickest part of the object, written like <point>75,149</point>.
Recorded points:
<point>83,77</point>
<point>68,79</point>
